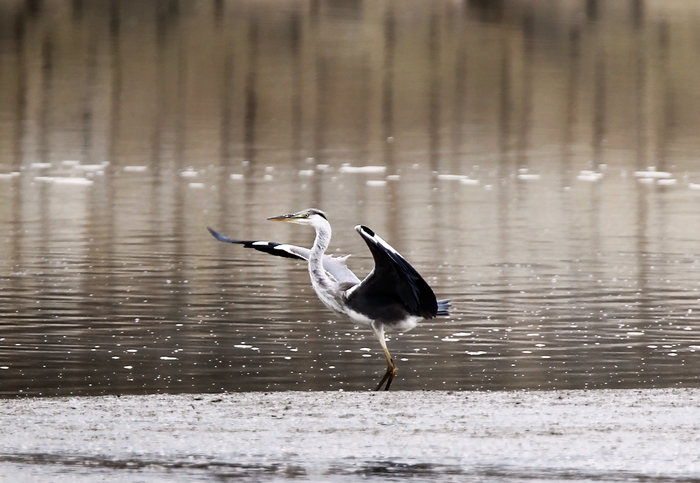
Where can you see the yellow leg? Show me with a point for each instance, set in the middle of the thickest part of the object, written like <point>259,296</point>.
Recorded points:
<point>391,369</point>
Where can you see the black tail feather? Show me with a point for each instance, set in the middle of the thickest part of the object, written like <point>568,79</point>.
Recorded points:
<point>444,307</point>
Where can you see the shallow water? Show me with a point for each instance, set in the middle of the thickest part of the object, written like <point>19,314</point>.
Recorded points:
<point>535,162</point>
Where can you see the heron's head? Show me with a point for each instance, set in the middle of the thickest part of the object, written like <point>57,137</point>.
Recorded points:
<point>310,216</point>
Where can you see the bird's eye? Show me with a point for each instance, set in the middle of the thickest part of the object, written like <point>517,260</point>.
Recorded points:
<point>304,215</point>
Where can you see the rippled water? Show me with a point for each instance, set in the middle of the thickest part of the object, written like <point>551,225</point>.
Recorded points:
<point>537,164</point>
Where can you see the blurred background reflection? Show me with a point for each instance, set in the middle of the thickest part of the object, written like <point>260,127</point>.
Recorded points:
<point>535,161</point>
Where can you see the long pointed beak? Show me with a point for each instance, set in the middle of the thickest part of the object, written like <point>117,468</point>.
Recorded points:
<point>289,217</point>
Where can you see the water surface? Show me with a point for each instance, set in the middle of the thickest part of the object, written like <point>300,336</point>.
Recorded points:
<point>537,163</point>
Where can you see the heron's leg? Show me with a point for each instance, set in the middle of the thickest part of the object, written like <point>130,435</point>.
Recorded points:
<point>391,369</point>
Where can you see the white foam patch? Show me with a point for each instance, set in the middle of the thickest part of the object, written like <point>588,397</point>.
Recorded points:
<point>528,177</point>
<point>135,169</point>
<point>73,181</point>
<point>652,173</point>
<point>236,176</point>
<point>451,177</point>
<point>91,167</point>
<point>362,169</point>
<point>463,179</point>
<point>64,181</point>
<point>375,182</point>
<point>590,176</point>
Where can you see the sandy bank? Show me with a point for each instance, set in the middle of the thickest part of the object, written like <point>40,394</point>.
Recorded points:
<point>505,436</point>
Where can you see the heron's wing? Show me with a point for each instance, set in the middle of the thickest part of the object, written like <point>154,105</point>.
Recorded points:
<point>393,281</point>
<point>273,248</point>
<point>335,266</point>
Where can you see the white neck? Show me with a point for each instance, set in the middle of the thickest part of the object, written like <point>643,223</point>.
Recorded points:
<point>322,283</point>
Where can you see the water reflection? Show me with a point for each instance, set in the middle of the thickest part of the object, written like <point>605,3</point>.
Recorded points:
<point>516,141</point>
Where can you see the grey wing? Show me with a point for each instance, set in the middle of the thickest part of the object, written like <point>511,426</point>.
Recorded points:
<point>339,271</point>
<point>335,266</point>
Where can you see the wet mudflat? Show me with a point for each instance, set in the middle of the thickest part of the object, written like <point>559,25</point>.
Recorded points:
<point>601,435</point>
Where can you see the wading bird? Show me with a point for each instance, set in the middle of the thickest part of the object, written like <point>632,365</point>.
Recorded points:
<point>392,296</point>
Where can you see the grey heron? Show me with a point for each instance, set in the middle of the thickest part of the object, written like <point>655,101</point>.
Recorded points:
<point>393,295</point>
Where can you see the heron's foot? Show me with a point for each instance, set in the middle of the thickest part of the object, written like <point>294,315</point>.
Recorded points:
<point>388,377</point>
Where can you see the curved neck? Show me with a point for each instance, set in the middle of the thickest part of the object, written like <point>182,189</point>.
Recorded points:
<point>319,278</point>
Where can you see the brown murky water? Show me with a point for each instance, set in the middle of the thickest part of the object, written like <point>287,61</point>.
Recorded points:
<point>535,161</point>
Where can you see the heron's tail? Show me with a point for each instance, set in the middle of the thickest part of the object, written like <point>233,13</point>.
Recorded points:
<point>444,307</point>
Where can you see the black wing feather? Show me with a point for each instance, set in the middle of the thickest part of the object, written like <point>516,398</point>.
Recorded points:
<point>393,280</point>
<point>261,246</point>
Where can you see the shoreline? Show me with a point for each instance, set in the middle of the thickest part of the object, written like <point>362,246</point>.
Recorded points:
<point>630,434</point>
